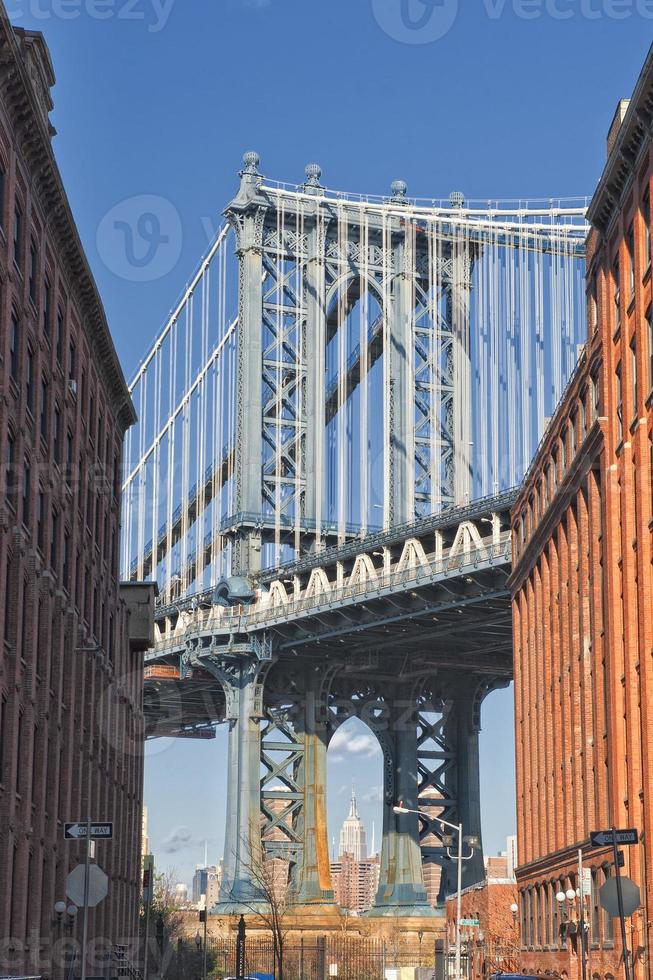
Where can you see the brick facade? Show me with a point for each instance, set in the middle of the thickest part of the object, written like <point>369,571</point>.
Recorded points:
<point>582,590</point>
<point>492,945</point>
<point>70,678</point>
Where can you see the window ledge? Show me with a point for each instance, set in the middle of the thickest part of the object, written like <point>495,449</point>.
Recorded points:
<point>647,274</point>
<point>631,306</point>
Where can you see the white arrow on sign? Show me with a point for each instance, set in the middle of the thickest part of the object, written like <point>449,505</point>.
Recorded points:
<point>98,885</point>
<point>76,831</point>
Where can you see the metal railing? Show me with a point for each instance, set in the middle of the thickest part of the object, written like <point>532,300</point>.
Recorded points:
<point>240,619</point>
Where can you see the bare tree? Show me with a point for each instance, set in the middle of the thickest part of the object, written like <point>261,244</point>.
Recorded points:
<point>272,906</point>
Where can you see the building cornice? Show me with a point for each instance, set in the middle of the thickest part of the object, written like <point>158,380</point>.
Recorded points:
<point>631,143</point>
<point>560,860</point>
<point>33,139</point>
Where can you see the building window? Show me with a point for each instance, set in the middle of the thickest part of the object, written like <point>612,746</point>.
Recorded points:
<point>633,376</point>
<point>616,282</point>
<point>608,934</point>
<point>3,734</point>
<point>25,618</point>
<point>56,447</point>
<point>65,571</point>
<point>44,408</point>
<point>573,423</point>
<point>59,338</point>
<point>33,268</point>
<point>72,360</point>
<point>14,343</point>
<point>3,201</point>
<point>650,454</point>
<point>620,424</point>
<point>19,747</point>
<point>27,481</point>
<point>40,520</point>
<point>10,460</point>
<point>649,330</point>
<point>630,245</point>
<point>593,306</point>
<point>29,380</point>
<point>596,392</point>
<point>47,306</point>
<point>78,579</point>
<point>594,937</point>
<point>18,234</point>
<point>69,457</point>
<point>646,218</point>
<point>91,417</point>
<point>53,540</point>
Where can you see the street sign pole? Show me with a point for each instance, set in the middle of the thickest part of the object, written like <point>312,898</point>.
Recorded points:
<point>148,889</point>
<point>87,866</point>
<point>620,901</point>
<point>206,916</point>
<point>581,899</point>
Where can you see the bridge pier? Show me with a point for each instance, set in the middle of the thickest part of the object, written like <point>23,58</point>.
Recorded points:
<point>243,853</point>
<point>401,889</point>
<point>311,886</point>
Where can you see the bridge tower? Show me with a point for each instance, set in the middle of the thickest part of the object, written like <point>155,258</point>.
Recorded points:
<point>349,318</point>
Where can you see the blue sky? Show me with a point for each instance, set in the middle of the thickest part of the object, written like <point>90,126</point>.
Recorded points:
<point>157,100</point>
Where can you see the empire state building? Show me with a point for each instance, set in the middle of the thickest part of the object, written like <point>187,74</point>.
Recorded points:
<point>352,835</point>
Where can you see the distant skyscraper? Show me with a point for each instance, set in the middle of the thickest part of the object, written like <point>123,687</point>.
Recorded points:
<point>353,839</point>
<point>511,847</point>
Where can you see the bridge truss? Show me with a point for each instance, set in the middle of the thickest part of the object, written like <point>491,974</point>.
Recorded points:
<point>330,425</point>
<point>339,365</point>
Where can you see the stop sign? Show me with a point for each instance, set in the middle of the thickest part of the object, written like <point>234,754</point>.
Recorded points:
<point>98,885</point>
<point>629,893</point>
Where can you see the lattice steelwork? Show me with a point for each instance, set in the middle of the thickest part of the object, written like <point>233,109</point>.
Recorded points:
<point>342,364</point>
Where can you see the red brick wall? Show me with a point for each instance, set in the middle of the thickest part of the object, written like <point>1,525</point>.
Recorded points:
<point>493,945</point>
<point>70,692</point>
<point>582,602</point>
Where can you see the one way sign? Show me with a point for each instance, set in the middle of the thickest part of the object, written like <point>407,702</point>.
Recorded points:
<point>77,831</point>
<point>602,838</point>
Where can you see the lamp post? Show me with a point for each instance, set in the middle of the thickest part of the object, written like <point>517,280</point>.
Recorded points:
<point>472,842</point>
<point>567,900</point>
<point>66,926</point>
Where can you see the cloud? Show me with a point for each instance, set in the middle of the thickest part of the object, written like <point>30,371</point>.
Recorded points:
<point>373,795</point>
<point>343,745</point>
<point>179,838</point>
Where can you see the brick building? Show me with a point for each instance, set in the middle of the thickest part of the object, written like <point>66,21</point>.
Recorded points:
<point>71,636</point>
<point>582,589</point>
<point>355,883</point>
<point>493,944</point>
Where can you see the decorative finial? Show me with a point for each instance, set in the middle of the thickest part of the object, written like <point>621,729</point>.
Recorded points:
<point>251,159</point>
<point>313,173</point>
<point>398,189</point>
<point>457,199</point>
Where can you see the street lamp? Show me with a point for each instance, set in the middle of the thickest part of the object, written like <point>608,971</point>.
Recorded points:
<point>70,911</point>
<point>514,908</point>
<point>472,842</point>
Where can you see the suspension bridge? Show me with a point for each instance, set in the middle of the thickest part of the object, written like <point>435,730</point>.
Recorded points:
<point>331,427</point>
